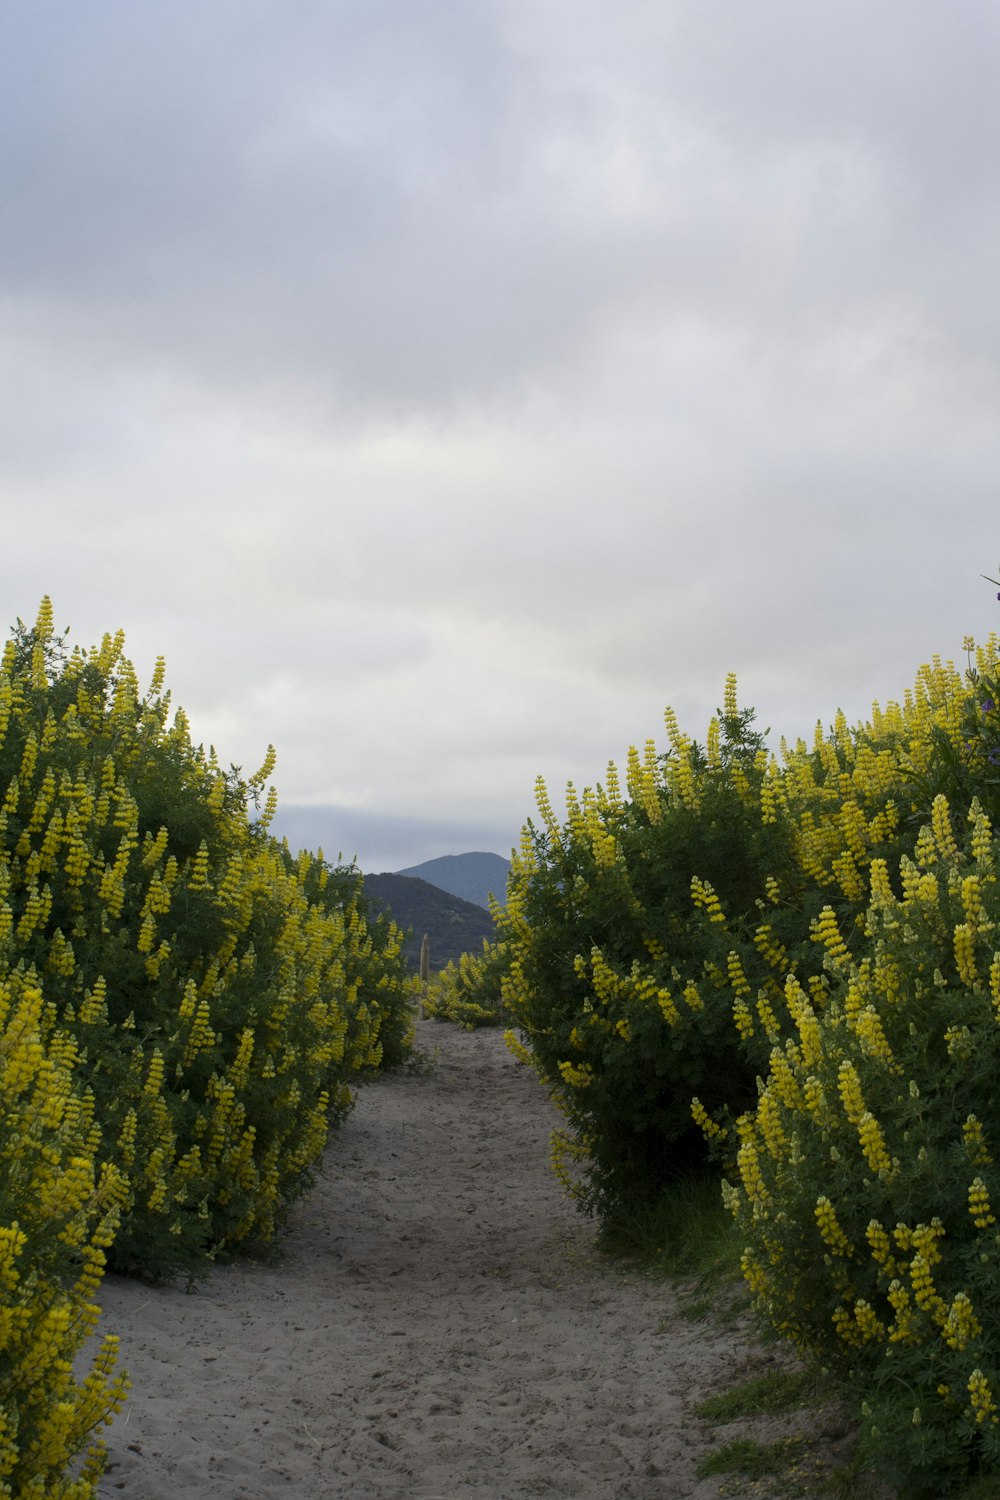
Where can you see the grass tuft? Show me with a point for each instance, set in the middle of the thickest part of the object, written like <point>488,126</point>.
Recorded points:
<point>762,1396</point>
<point>685,1231</point>
<point>752,1459</point>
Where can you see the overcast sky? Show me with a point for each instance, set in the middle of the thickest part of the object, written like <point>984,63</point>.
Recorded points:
<point>444,387</point>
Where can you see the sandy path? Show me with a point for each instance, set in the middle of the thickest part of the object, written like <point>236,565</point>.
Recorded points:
<point>440,1328</point>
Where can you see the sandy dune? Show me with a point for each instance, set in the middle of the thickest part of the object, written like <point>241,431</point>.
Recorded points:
<point>440,1328</point>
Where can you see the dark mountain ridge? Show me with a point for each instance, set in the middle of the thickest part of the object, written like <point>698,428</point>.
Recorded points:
<point>453,926</point>
<point>473,877</point>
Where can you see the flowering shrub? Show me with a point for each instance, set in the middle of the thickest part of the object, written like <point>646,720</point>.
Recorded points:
<point>378,985</point>
<point>469,992</point>
<point>221,993</point>
<point>58,1210</point>
<point>868,1185</point>
<point>626,929</point>
<point>965,762</point>
<point>650,935</point>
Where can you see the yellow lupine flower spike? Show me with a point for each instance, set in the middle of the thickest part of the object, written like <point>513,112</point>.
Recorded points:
<point>961,1324</point>
<point>826,931</point>
<point>941,825</point>
<point>851,1096</point>
<point>873,1145</point>
<point>984,1408</point>
<point>975,1142</point>
<point>881,1246</point>
<point>705,1122</point>
<point>924,1290</point>
<point>705,897</point>
<point>829,1227</point>
<point>906,1320</point>
<point>965,954</point>
<point>577,1076</point>
<point>979,1204</point>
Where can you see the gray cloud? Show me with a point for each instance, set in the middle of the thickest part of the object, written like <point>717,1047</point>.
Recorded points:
<point>444,390</point>
<point>405,207</point>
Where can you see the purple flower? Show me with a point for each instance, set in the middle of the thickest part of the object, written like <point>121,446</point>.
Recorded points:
<point>987,705</point>
<point>994,757</point>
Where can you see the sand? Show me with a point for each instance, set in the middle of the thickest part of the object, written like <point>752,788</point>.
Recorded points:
<point>440,1327</point>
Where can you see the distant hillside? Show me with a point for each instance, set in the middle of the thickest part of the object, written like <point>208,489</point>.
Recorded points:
<point>474,877</point>
<point>454,926</point>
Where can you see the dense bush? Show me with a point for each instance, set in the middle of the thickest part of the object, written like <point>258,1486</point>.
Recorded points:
<point>221,992</point>
<point>379,987</point>
<point>643,928</point>
<point>868,1179</point>
<point>470,992</point>
<point>618,979</point>
<point>650,935</point>
<point>58,1211</point>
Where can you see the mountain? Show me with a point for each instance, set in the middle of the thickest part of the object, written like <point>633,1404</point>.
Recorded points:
<point>453,926</point>
<point>473,877</point>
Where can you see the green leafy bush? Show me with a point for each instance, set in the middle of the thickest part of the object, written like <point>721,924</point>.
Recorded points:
<point>221,993</point>
<point>378,984</point>
<point>650,935</point>
<point>470,992</point>
<point>58,1212</point>
<point>868,1178</point>
<point>625,929</point>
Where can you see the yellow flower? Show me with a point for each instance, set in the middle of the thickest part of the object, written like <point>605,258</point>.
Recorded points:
<point>979,1204</point>
<point>942,829</point>
<point>769,1122</point>
<point>870,1326</point>
<point>578,1077</point>
<point>905,1323</point>
<point>829,1227</point>
<point>961,1323</point>
<point>983,1405</point>
<point>975,1142</point>
<point>881,1246</point>
<point>873,1144</point>
<point>730,701</point>
<point>815,1099</point>
<point>668,1009</point>
<point>849,1087</point>
<point>965,954</point>
<point>705,1122</point>
<point>692,998</point>
<point>784,1081</point>
<point>924,1290</point>
<point>867,1025</point>
<point>748,1161</point>
<point>772,951</point>
<point>826,931</point>
<point>737,978</point>
<point>743,1018</point>
<point>704,896</point>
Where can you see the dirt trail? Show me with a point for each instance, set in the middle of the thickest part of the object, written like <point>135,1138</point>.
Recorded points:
<point>440,1328</point>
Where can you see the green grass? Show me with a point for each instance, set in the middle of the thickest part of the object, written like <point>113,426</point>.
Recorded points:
<point>690,1239</point>
<point>766,1395</point>
<point>751,1459</point>
<point>987,1488</point>
<point>687,1231</point>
